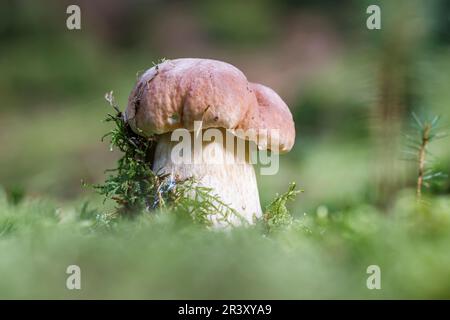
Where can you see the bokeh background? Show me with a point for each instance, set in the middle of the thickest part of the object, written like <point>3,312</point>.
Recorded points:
<point>351,91</point>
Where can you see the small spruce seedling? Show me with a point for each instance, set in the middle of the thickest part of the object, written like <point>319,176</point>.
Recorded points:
<point>425,132</point>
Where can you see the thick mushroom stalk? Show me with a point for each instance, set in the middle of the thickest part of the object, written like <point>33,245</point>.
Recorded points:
<point>176,94</point>
<point>227,172</point>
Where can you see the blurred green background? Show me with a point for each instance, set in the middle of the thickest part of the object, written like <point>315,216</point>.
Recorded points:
<point>351,91</point>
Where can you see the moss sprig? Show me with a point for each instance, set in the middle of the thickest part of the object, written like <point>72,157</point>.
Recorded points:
<point>131,183</point>
<point>277,215</point>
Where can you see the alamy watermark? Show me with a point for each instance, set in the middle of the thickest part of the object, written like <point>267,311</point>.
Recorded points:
<point>73,281</point>
<point>233,147</point>
<point>373,22</point>
<point>73,21</point>
<point>374,280</point>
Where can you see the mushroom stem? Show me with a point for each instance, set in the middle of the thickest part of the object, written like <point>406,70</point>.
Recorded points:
<point>233,181</point>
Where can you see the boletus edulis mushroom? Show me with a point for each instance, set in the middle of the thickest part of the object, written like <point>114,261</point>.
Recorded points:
<point>182,93</point>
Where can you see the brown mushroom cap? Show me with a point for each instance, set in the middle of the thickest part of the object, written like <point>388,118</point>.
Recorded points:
<point>175,93</point>
<point>270,113</point>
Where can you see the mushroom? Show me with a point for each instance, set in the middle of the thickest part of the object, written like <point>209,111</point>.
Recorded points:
<point>176,93</point>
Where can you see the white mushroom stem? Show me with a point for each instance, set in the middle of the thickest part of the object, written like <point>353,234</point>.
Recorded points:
<point>233,180</point>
